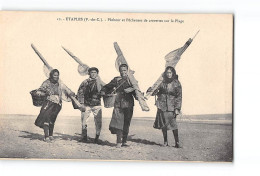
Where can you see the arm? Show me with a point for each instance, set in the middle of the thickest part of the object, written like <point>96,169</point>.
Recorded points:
<point>156,91</point>
<point>69,95</point>
<point>81,91</point>
<point>109,87</point>
<point>66,90</point>
<point>43,88</point>
<point>135,96</point>
<point>178,97</point>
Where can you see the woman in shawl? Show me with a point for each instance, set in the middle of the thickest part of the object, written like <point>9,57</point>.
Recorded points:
<point>168,104</point>
<point>54,90</point>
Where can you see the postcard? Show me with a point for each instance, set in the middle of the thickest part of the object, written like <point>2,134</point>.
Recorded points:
<point>116,86</point>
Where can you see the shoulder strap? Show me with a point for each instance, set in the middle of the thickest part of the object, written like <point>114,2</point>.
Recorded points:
<point>118,85</point>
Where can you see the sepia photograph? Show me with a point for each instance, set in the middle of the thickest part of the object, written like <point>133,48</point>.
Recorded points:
<point>116,86</point>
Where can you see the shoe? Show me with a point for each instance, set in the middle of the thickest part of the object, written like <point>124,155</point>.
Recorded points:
<point>47,139</point>
<point>124,145</point>
<point>96,139</point>
<point>118,145</point>
<point>84,139</point>
<point>165,144</point>
<point>177,145</point>
<point>51,138</point>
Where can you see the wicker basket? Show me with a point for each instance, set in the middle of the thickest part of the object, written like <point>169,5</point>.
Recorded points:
<point>37,99</point>
<point>109,100</point>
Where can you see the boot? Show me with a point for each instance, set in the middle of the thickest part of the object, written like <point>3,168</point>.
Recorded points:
<point>46,133</point>
<point>165,143</point>
<point>84,135</point>
<point>96,139</point>
<point>176,137</point>
<point>124,143</point>
<point>47,139</point>
<point>51,127</point>
<point>118,139</point>
<point>177,145</point>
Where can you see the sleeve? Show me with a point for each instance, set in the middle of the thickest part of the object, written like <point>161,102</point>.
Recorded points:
<point>178,97</point>
<point>81,90</point>
<point>158,90</point>
<point>109,87</point>
<point>65,89</point>
<point>44,87</point>
<point>134,95</point>
<point>66,92</point>
<point>155,92</point>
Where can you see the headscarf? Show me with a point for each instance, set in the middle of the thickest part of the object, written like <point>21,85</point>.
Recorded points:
<point>51,75</point>
<point>174,75</point>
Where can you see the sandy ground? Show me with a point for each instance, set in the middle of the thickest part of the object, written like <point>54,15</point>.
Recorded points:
<point>201,140</point>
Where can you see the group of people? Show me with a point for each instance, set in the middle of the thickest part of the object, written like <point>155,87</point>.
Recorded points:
<point>90,92</point>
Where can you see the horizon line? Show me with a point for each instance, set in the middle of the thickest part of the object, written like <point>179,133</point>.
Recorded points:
<point>135,116</point>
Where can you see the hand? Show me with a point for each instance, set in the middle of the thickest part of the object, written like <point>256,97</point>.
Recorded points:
<point>82,108</point>
<point>39,93</point>
<point>102,93</point>
<point>129,89</point>
<point>149,89</point>
<point>156,92</point>
<point>177,112</point>
<point>72,94</point>
<point>95,96</point>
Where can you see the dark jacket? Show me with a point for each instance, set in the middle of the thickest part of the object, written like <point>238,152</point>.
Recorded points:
<point>169,96</point>
<point>123,100</point>
<point>88,93</point>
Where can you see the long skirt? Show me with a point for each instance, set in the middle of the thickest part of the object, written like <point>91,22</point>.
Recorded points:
<point>165,120</point>
<point>48,114</point>
<point>121,119</point>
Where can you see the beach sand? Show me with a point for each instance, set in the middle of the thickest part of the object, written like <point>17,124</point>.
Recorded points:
<point>201,139</point>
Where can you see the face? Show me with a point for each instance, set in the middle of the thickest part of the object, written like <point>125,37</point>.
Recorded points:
<point>56,76</point>
<point>169,73</point>
<point>93,74</point>
<point>123,71</point>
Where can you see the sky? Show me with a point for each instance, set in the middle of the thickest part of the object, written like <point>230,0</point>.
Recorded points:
<point>205,68</point>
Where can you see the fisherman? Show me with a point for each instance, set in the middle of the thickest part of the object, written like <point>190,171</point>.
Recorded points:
<point>89,96</point>
<point>123,106</point>
<point>168,104</point>
<point>54,91</point>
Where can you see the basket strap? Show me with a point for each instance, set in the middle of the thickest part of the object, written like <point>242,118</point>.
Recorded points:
<point>118,87</point>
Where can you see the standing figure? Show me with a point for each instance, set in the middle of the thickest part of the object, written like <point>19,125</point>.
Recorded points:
<point>54,90</point>
<point>168,104</point>
<point>123,106</point>
<point>89,96</point>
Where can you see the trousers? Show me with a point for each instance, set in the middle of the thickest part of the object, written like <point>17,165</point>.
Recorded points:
<point>97,112</point>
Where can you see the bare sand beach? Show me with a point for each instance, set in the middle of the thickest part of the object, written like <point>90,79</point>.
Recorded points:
<point>203,138</point>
